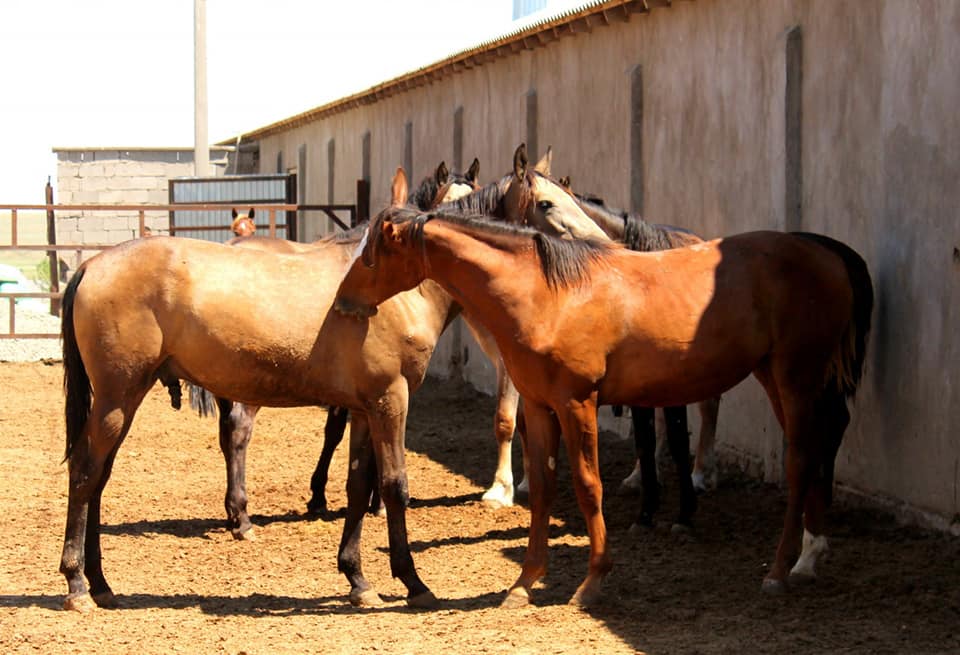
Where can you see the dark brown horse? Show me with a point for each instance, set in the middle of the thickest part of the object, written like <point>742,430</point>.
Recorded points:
<point>793,309</point>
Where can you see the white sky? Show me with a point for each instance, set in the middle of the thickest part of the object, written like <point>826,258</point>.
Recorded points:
<point>120,72</point>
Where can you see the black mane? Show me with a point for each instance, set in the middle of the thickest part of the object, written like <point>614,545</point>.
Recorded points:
<point>564,262</point>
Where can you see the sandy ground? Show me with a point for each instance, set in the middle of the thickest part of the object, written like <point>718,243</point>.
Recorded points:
<point>185,585</point>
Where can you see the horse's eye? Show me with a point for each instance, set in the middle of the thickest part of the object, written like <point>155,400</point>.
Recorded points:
<point>544,206</point>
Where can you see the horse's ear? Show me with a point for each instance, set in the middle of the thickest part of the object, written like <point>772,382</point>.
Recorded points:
<point>543,166</point>
<point>442,174</point>
<point>520,161</point>
<point>473,173</point>
<point>398,189</point>
<point>250,213</point>
<point>565,182</point>
<point>233,212</point>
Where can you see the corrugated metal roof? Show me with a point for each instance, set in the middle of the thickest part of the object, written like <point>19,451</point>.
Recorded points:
<point>540,32</point>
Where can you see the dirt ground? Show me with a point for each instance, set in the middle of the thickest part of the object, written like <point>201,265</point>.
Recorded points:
<point>184,585</point>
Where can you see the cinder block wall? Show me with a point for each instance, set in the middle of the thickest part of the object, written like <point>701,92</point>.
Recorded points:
<point>103,176</point>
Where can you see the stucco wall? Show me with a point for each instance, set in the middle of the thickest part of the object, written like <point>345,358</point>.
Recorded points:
<point>878,165</point>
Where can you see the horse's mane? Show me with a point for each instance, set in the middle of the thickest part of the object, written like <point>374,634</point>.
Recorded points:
<point>638,234</point>
<point>564,262</point>
<point>346,237</point>
<point>486,201</point>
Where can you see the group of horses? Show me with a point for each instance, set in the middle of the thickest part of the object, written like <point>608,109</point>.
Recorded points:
<point>575,304</point>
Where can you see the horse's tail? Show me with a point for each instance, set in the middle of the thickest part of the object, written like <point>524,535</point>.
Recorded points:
<point>202,401</point>
<point>847,367</point>
<point>76,382</point>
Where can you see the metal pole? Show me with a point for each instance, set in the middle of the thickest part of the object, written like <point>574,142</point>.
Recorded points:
<point>201,148</point>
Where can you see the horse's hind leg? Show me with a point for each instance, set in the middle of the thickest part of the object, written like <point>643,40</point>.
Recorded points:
<point>678,440</point>
<point>361,478</point>
<point>90,464</point>
<point>236,428</point>
<point>705,464</point>
<point>500,492</point>
<point>332,436</point>
<point>645,440</point>
<point>834,417</point>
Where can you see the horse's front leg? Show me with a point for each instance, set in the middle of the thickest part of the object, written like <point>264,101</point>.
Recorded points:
<point>333,431</point>
<point>500,492</point>
<point>579,422</point>
<point>387,425</point>
<point>645,443</point>
<point>236,428</point>
<point>361,477</point>
<point>678,440</point>
<point>542,441</point>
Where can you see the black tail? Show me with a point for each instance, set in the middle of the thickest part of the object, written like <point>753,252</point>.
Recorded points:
<point>76,383</point>
<point>202,401</point>
<point>849,369</point>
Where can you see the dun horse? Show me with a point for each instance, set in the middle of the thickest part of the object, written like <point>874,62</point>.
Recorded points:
<point>793,309</point>
<point>236,420</point>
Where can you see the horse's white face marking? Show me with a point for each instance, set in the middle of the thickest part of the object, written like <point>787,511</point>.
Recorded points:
<point>563,218</point>
<point>457,191</point>
<point>359,250</point>
<point>354,465</point>
<point>551,463</point>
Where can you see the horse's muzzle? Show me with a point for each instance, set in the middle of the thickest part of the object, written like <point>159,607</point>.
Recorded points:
<point>352,309</point>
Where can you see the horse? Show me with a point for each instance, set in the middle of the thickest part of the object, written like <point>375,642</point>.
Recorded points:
<point>122,331</point>
<point>637,234</point>
<point>236,419</point>
<point>792,309</point>
<point>554,214</point>
<point>243,225</point>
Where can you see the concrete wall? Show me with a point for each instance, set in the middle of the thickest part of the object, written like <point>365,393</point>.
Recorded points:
<point>874,162</point>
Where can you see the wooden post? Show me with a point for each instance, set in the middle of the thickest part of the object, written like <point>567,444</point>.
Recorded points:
<point>362,202</point>
<point>52,254</point>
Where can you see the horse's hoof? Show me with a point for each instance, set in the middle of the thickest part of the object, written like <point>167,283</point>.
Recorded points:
<point>699,482</point>
<point>588,595</point>
<point>639,528</point>
<point>773,587</point>
<point>82,603</point>
<point>516,598</point>
<point>497,497</point>
<point>423,601</point>
<point>106,600</point>
<point>244,535</point>
<point>316,508</point>
<point>365,598</point>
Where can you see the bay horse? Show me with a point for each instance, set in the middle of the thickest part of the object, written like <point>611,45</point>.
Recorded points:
<point>236,419</point>
<point>792,309</point>
<point>636,234</point>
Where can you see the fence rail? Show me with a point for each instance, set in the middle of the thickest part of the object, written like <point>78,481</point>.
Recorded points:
<point>50,210</point>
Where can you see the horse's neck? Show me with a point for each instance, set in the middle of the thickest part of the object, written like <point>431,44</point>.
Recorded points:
<point>611,224</point>
<point>467,267</point>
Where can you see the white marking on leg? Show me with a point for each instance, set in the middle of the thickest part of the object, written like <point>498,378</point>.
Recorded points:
<point>813,549</point>
<point>634,481</point>
<point>354,465</point>
<point>551,463</point>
